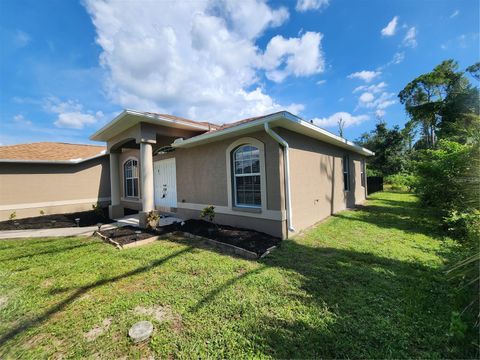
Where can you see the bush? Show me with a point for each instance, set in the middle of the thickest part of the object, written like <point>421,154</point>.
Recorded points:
<point>400,181</point>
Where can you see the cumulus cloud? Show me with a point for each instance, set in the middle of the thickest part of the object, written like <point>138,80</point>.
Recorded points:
<point>70,114</point>
<point>305,5</point>
<point>198,59</point>
<point>380,102</point>
<point>332,120</point>
<point>293,56</point>
<point>410,39</point>
<point>391,27</point>
<point>375,88</point>
<point>365,75</point>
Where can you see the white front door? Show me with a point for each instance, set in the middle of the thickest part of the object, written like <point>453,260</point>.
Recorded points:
<point>165,183</point>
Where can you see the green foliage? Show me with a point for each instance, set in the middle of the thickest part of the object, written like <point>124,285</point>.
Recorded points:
<point>42,212</point>
<point>400,181</point>
<point>13,215</point>
<point>389,148</point>
<point>208,213</point>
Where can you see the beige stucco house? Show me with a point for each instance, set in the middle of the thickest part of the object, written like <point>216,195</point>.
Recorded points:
<point>277,173</point>
<point>52,178</point>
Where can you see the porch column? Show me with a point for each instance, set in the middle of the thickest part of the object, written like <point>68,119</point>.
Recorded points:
<point>146,164</point>
<point>115,210</point>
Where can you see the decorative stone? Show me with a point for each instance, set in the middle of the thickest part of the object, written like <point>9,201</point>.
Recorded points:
<point>141,331</point>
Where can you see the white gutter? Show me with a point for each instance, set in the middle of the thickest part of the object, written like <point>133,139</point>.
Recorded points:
<point>286,164</point>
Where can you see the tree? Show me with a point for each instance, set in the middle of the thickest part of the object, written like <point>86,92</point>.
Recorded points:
<point>443,103</point>
<point>389,147</point>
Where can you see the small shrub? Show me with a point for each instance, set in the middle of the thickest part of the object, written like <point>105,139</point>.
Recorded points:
<point>152,219</point>
<point>13,215</point>
<point>42,212</point>
<point>208,213</point>
<point>400,182</point>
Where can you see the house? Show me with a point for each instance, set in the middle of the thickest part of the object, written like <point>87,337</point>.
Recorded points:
<point>51,178</point>
<point>276,173</point>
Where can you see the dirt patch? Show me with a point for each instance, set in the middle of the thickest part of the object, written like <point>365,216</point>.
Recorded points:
<point>87,218</point>
<point>161,314</point>
<point>47,283</point>
<point>98,330</point>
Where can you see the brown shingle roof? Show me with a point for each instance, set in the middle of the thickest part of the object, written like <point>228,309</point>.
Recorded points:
<point>177,118</point>
<point>50,151</point>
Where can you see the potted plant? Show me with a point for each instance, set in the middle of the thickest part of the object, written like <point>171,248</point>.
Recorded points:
<point>208,213</point>
<point>152,219</point>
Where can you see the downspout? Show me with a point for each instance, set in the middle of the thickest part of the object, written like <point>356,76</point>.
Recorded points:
<point>286,164</point>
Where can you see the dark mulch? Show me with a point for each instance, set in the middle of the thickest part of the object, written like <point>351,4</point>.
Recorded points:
<point>87,218</point>
<point>251,240</point>
<point>126,235</point>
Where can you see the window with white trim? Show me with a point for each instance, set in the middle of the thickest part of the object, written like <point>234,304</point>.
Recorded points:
<point>363,172</point>
<point>246,176</point>
<point>130,177</point>
<point>346,172</point>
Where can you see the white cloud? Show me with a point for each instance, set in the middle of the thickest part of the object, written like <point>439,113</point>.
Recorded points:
<point>365,75</point>
<point>366,98</point>
<point>384,100</point>
<point>70,114</point>
<point>332,120</point>
<point>391,27</point>
<point>321,82</point>
<point>380,113</point>
<point>199,59</point>
<point>375,88</point>
<point>398,57</point>
<point>294,56</point>
<point>21,38</point>
<point>455,14</point>
<point>305,5</point>
<point>20,120</point>
<point>410,39</point>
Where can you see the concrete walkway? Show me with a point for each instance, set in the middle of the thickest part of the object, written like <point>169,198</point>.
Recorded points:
<point>131,220</point>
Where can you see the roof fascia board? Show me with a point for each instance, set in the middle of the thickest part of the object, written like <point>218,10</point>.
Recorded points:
<point>64,162</point>
<point>154,119</point>
<point>270,118</point>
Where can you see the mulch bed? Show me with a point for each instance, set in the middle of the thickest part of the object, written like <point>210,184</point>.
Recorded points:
<point>126,234</point>
<point>250,240</point>
<point>87,218</point>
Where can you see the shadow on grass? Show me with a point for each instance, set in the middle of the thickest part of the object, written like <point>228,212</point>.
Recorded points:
<point>47,252</point>
<point>25,325</point>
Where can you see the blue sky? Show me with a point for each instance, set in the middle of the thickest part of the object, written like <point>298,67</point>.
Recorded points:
<point>68,67</point>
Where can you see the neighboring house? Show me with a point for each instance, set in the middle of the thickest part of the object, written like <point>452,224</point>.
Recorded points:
<point>276,173</point>
<point>52,178</point>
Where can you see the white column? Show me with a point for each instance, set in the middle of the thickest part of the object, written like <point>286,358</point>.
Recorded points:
<point>114,179</point>
<point>146,164</point>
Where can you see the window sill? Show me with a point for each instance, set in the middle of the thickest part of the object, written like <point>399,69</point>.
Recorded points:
<point>247,209</point>
<point>130,199</point>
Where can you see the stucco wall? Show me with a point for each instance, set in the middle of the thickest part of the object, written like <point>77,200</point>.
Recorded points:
<point>53,188</point>
<point>317,188</point>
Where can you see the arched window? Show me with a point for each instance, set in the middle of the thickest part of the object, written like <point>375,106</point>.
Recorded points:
<point>130,178</point>
<point>246,176</point>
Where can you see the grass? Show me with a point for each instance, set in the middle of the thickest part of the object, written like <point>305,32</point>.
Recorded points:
<point>368,283</point>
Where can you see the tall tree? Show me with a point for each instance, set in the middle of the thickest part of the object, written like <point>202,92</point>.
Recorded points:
<point>442,103</point>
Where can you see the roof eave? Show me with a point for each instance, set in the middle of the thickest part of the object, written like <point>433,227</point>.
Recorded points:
<point>337,140</point>
<point>62,162</point>
<point>160,120</point>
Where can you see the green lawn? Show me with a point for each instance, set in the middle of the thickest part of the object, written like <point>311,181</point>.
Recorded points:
<point>368,283</point>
